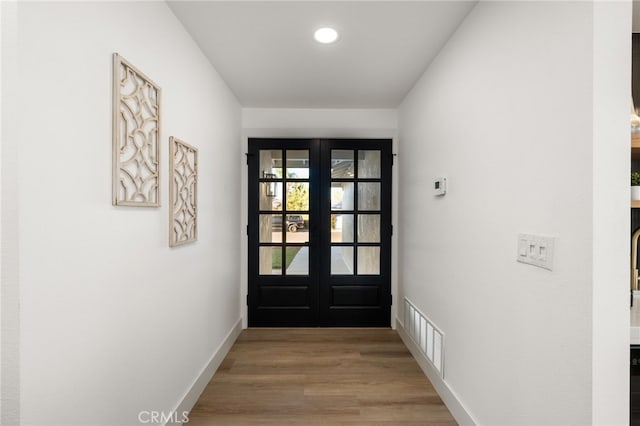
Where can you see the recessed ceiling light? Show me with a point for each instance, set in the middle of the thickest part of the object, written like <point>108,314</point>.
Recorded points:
<point>326,35</point>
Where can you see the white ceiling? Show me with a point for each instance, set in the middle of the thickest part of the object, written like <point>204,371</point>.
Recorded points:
<point>265,51</point>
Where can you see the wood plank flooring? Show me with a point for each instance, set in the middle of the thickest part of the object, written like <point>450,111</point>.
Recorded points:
<point>319,376</point>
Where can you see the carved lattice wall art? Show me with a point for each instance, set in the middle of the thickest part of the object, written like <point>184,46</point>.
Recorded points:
<point>136,132</point>
<point>183,193</point>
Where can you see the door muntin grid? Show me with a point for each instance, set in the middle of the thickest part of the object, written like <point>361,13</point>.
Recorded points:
<point>284,212</point>
<point>355,215</point>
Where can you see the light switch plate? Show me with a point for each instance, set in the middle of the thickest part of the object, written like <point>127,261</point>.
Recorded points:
<point>440,186</point>
<point>536,250</point>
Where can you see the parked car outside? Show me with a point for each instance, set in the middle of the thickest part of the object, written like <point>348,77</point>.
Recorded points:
<point>294,222</point>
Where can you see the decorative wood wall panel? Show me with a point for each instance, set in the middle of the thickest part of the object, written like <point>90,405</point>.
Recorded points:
<point>136,132</point>
<point>183,193</point>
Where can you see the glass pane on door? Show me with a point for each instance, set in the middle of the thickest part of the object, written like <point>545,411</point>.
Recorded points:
<point>368,164</point>
<point>270,261</point>
<point>297,228</point>
<point>368,196</point>
<point>368,260</point>
<point>342,164</point>
<point>297,196</point>
<point>341,228</point>
<point>341,260</point>
<point>271,196</point>
<point>368,228</point>
<point>270,164</point>
<point>342,196</point>
<point>297,164</point>
<point>297,259</point>
<point>270,228</point>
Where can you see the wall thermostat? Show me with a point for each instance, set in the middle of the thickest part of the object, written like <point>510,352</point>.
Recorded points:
<point>440,186</point>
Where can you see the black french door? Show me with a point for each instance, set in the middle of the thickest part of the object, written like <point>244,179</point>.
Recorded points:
<point>319,232</point>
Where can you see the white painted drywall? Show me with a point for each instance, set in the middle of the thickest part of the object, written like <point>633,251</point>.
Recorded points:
<point>314,122</point>
<point>611,225</point>
<point>9,288</point>
<point>506,113</point>
<point>113,321</point>
<point>317,123</point>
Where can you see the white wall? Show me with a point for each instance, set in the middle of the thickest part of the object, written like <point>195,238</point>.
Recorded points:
<point>506,112</point>
<point>113,321</point>
<point>9,297</point>
<point>611,225</point>
<point>316,123</point>
<point>313,122</point>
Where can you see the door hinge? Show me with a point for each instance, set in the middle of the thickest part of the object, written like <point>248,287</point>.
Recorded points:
<point>393,157</point>
<point>247,300</point>
<point>247,229</point>
<point>391,296</point>
<point>248,155</point>
<point>392,230</point>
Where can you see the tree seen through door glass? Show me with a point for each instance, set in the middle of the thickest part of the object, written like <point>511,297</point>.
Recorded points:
<point>297,196</point>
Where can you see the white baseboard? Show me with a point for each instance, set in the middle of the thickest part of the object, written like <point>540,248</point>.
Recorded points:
<point>192,395</point>
<point>450,399</point>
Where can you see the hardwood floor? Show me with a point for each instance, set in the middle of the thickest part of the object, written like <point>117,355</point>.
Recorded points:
<point>319,376</point>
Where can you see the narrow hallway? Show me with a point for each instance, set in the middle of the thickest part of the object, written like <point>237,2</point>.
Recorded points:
<point>505,122</point>
<point>319,376</point>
